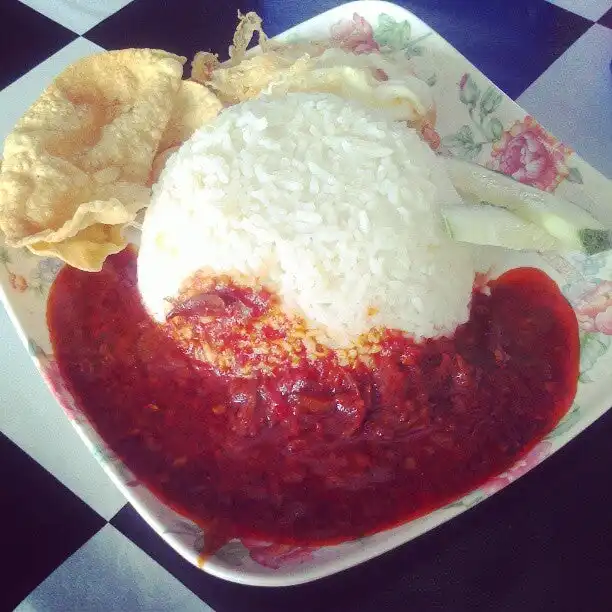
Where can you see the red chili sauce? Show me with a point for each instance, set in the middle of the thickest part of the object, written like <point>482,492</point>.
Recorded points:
<point>319,453</point>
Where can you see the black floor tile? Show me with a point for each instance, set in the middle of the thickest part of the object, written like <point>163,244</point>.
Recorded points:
<point>606,20</point>
<point>42,521</point>
<point>181,27</point>
<point>28,38</point>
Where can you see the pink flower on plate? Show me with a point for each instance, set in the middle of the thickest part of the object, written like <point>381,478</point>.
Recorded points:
<point>354,35</point>
<point>18,282</point>
<point>529,154</point>
<point>276,556</point>
<point>534,457</point>
<point>380,74</point>
<point>468,90</point>
<point>430,136</point>
<point>594,309</point>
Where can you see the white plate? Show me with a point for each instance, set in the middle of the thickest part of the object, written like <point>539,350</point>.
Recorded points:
<point>474,120</point>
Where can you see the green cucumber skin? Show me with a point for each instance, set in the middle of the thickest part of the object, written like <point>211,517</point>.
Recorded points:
<point>595,241</point>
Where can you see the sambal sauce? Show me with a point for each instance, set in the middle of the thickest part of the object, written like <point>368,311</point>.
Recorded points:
<point>317,453</point>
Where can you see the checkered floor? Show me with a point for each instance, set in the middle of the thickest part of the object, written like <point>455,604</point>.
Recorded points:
<point>544,544</point>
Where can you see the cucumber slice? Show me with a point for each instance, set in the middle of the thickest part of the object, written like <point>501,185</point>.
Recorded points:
<point>491,225</point>
<point>574,227</point>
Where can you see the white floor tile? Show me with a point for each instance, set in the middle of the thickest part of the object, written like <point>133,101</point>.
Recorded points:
<point>111,574</point>
<point>18,96</point>
<point>573,98</point>
<point>77,15</point>
<point>31,417</point>
<point>591,9</point>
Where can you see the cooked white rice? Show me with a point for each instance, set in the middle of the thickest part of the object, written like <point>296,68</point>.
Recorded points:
<point>332,205</point>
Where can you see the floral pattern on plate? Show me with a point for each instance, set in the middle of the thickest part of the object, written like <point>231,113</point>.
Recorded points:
<point>39,278</point>
<point>522,466</point>
<point>529,154</point>
<point>594,309</point>
<point>355,35</point>
<point>524,150</point>
<point>276,556</point>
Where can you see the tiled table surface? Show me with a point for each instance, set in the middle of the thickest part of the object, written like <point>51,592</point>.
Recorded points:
<point>543,544</point>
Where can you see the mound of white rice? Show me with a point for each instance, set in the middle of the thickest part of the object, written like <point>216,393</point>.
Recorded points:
<point>332,205</point>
